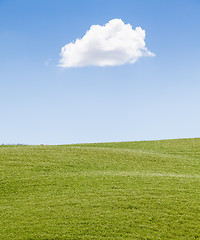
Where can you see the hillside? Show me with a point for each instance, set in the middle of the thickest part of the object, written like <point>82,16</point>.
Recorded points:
<point>129,190</point>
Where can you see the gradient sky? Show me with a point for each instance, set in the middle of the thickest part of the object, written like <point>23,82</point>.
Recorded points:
<point>155,98</point>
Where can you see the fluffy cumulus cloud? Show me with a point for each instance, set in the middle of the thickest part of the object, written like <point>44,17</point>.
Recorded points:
<point>115,43</point>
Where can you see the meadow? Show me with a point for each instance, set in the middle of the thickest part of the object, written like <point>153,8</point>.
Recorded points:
<point>130,190</point>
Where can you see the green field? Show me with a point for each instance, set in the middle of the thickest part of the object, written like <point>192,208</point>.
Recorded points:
<point>131,190</point>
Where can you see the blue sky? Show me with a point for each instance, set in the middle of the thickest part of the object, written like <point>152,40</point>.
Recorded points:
<point>154,98</point>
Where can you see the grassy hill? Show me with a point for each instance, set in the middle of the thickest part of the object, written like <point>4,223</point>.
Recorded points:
<point>130,190</point>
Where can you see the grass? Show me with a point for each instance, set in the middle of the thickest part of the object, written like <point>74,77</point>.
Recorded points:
<point>130,190</point>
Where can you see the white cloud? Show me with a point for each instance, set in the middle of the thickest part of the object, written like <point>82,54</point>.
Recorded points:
<point>115,43</point>
<point>47,62</point>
